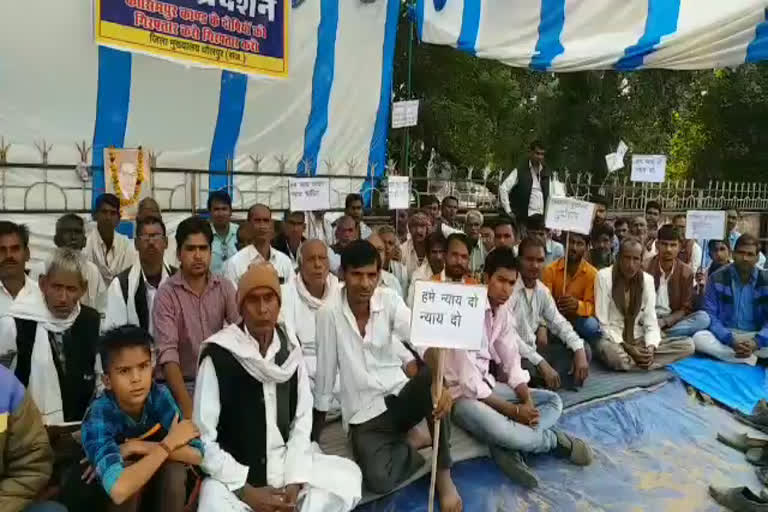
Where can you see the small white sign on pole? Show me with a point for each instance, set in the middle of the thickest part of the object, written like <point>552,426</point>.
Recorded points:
<point>405,113</point>
<point>613,162</point>
<point>621,150</point>
<point>309,194</point>
<point>398,192</point>
<point>448,315</point>
<point>568,214</point>
<point>649,168</point>
<point>705,225</point>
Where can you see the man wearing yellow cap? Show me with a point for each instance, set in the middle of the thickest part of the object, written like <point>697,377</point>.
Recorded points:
<point>253,406</point>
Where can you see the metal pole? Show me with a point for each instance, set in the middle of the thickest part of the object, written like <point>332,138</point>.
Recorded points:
<point>408,130</point>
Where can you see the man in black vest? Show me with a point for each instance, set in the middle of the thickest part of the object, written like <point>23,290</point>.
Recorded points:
<point>524,191</point>
<point>261,456</point>
<point>49,340</point>
<point>132,291</point>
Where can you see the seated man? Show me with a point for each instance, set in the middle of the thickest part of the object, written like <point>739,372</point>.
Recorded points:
<point>379,403</point>
<point>414,250</point>
<point>737,303</point>
<point>291,236</point>
<point>537,228</point>
<point>392,263</point>
<point>565,357</point>
<point>433,264</point>
<point>14,254</point>
<point>472,224</point>
<point>601,241</point>
<point>112,252</point>
<point>505,233</point>
<point>506,415</point>
<point>261,457</point>
<point>625,301</point>
<point>673,281</point>
<point>690,250</point>
<point>26,459</point>
<point>136,420</point>
<point>577,301</point>
<point>49,340</point>
<point>387,280</point>
<point>487,236</point>
<point>719,254</point>
<point>456,261</point>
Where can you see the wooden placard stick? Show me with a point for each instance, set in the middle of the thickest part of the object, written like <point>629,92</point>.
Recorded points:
<point>436,436</point>
<point>565,267</point>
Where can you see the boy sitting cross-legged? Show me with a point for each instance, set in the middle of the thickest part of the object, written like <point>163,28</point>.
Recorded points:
<point>132,410</point>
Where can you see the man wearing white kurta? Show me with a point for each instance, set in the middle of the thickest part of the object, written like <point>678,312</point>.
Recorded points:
<point>260,217</point>
<point>110,251</point>
<point>261,458</point>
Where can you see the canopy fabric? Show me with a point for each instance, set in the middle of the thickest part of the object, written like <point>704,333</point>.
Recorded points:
<point>576,35</point>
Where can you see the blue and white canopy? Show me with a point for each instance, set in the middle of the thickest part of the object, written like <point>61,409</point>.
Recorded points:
<point>574,35</point>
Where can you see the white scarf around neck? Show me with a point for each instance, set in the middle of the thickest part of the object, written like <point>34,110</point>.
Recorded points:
<point>43,380</point>
<point>312,302</point>
<point>245,349</point>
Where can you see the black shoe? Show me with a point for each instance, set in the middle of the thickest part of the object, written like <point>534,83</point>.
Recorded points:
<point>512,464</point>
<point>740,499</point>
<point>573,449</point>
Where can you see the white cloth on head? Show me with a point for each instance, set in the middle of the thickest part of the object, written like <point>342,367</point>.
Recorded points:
<point>6,299</point>
<point>612,320</point>
<point>237,265</point>
<point>43,380</point>
<point>110,262</point>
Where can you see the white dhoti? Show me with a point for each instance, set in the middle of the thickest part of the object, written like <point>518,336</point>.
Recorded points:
<point>335,486</point>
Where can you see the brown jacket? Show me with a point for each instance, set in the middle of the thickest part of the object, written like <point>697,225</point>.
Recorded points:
<point>680,286</point>
<point>26,459</point>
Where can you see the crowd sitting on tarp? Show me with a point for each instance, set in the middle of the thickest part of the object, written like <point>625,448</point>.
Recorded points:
<point>130,384</point>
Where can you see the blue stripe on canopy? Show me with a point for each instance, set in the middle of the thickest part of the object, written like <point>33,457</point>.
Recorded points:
<point>661,21</point>
<point>551,22</point>
<point>470,25</point>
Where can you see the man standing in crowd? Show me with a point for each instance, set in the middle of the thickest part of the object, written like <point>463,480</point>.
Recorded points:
<point>291,236</point>
<point>14,254</point>
<point>507,415</point>
<point>112,252</point>
<point>601,253</point>
<point>472,224</point>
<point>260,216</point>
<point>26,458</point>
<point>690,250</point>
<point>49,340</point>
<point>190,306</point>
<point>737,303</point>
<point>224,230</point>
<point>379,402</point>
<point>625,300</point>
<point>524,191</point>
<point>392,262</point>
<point>253,405</point>
<point>448,209</point>
<point>132,293</point>
<point>433,264</point>
<point>70,233</point>
<point>387,279</point>
<point>577,301</point>
<point>304,296</point>
<point>565,357</point>
<point>673,282</point>
<point>538,229</point>
<point>505,233</point>
<point>353,206</point>
<point>414,250</point>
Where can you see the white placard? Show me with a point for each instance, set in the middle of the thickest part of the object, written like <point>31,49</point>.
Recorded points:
<point>309,194</point>
<point>621,150</point>
<point>556,188</point>
<point>405,113</point>
<point>398,192</point>
<point>705,225</point>
<point>613,162</point>
<point>649,168</point>
<point>568,214</point>
<point>448,315</point>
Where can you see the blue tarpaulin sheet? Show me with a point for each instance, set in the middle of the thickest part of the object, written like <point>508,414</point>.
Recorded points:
<point>654,450</point>
<point>738,386</point>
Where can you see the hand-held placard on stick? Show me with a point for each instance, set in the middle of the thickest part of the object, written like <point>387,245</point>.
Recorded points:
<point>568,214</point>
<point>309,194</point>
<point>448,315</point>
<point>398,192</point>
<point>649,168</point>
<point>705,225</point>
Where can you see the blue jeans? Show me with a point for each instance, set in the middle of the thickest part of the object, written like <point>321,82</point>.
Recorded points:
<point>45,506</point>
<point>588,328</point>
<point>486,424</point>
<point>689,325</point>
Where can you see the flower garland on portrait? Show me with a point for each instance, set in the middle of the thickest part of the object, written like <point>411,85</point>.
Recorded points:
<point>113,173</point>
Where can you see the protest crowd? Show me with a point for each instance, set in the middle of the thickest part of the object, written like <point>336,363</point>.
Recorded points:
<point>203,379</point>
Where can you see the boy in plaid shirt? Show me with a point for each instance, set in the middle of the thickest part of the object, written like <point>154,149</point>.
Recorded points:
<point>138,421</point>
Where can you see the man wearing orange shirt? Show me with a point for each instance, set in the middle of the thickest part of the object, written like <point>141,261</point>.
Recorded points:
<point>577,303</point>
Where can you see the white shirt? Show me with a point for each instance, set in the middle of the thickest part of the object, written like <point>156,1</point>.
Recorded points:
<point>536,199</point>
<point>388,280</point>
<point>237,265</point>
<point>120,256</point>
<point>6,299</point>
<point>662,295</point>
<point>409,257</point>
<point>370,367</point>
<point>423,273</point>
<point>287,462</point>
<point>612,320</point>
<point>118,311</point>
<point>319,228</point>
<point>398,270</point>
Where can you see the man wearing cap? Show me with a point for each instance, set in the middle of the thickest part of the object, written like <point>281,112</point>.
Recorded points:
<point>261,458</point>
